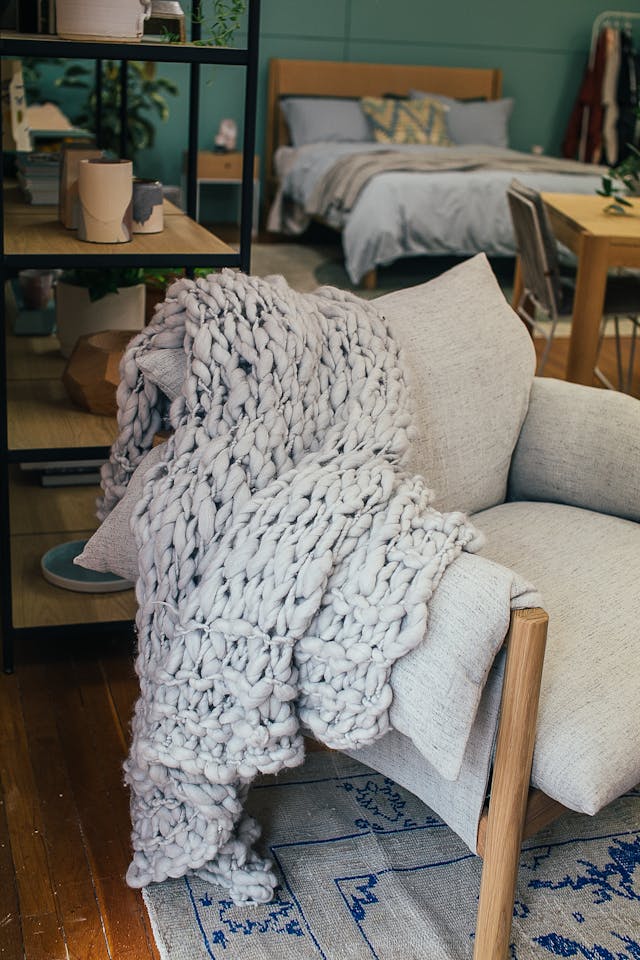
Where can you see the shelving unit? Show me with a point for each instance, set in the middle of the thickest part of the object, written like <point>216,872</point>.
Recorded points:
<point>38,422</point>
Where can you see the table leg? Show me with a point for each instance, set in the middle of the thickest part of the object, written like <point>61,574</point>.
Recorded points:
<point>591,283</point>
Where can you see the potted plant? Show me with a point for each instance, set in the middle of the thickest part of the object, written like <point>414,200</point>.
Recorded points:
<point>88,301</point>
<point>146,96</point>
<point>622,181</point>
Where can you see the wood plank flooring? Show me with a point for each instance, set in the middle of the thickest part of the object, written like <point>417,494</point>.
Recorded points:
<point>64,819</point>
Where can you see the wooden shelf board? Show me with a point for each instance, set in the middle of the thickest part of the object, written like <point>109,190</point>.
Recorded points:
<point>40,415</point>
<point>34,358</point>
<point>39,232</point>
<point>15,204</point>
<point>37,509</point>
<point>37,603</point>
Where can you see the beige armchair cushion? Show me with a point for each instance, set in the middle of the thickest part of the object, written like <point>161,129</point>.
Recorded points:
<point>580,446</point>
<point>586,567</point>
<point>470,364</point>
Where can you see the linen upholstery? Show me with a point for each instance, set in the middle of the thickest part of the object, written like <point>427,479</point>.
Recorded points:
<point>585,565</point>
<point>166,368</point>
<point>112,548</point>
<point>468,616</point>
<point>459,802</point>
<point>567,431</point>
<point>470,364</point>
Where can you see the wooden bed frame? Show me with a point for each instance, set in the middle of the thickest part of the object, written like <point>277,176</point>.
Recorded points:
<point>332,78</point>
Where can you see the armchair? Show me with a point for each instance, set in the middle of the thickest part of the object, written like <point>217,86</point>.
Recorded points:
<point>548,471</point>
<point>565,520</point>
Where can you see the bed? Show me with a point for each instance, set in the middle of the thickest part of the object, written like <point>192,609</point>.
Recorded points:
<point>398,200</point>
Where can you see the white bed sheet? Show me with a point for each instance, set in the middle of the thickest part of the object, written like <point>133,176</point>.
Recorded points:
<point>400,214</point>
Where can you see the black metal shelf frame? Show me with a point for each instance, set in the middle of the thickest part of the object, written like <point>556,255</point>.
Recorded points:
<point>195,55</point>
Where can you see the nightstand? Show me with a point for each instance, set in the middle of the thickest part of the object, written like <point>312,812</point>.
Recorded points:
<point>223,169</point>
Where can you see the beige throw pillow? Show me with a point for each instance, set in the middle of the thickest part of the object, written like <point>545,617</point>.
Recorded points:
<point>112,548</point>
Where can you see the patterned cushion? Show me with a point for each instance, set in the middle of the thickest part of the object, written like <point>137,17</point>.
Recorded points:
<point>407,121</point>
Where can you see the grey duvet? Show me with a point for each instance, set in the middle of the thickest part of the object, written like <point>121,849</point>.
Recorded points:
<point>413,200</point>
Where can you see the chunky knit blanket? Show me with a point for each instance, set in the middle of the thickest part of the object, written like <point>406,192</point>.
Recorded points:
<point>285,559</point>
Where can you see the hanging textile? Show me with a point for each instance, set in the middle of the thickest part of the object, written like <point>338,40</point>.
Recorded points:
<point>583,137</point>
<point>610,96</point>
<point>628,99</point>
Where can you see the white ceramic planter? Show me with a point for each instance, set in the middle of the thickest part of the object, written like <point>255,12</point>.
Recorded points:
<point>77,315</point>
<point>100,19</point>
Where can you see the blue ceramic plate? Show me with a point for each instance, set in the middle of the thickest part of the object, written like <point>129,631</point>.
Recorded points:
<point>58,568</point>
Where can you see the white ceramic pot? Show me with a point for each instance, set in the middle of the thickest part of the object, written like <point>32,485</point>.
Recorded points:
<point>101,19</point>
<point>77,315</point>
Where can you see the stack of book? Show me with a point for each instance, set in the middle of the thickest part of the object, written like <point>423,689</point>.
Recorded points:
<point>39,176</point>
<point>65,473</point>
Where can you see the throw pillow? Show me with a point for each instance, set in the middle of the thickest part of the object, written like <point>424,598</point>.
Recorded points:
<point>406,121</point>
<point>112,548</point>
<point>324,119</point>
<point>483,122</point>
<point>166,369</point>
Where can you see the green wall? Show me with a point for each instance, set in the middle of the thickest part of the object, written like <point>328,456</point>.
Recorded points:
<point>540,46</point>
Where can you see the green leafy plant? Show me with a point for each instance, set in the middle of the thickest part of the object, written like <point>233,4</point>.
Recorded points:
<point>220,28</point>
<point>622,180</point>
<point>101,282</point>
<point>146,98</point>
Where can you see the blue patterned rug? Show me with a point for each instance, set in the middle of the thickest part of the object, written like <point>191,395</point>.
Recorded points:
<point>367,871</point>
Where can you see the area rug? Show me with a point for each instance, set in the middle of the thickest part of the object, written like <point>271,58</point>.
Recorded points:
<point>368,871</point>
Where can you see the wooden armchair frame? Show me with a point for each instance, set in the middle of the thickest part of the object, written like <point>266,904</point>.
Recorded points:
<point>514,811</point>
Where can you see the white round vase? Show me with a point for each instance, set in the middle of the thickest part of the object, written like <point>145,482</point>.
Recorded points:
<point>97,19</point>
<point>77,315</point>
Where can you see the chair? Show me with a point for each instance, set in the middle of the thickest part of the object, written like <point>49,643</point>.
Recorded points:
<point>564,512</point>
<point>548,472</point>
<point>546,291</point>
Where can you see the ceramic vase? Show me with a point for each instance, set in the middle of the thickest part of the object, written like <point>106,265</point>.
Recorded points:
<point>76,315</point>
<point>96,19</point>
<point>147,206</point>
<point>105,190</point>
<point>68,203</point>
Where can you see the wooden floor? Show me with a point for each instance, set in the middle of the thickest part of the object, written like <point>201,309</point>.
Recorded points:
<point>64,818</point>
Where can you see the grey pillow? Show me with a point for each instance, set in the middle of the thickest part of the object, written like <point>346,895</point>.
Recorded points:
<point>112,548</point>
<point>478,121</point>
<point>166,368</point>
<point>316,119</point>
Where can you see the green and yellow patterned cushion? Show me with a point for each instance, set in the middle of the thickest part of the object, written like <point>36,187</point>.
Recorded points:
<point>407,121</point>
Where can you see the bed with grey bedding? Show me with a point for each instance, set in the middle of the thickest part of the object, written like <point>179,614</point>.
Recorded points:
<point>454,203</point>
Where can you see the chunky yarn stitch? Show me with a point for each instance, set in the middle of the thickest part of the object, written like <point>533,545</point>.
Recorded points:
<point>285,559</point>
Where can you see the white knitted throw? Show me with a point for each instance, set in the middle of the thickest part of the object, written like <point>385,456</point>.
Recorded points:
<point>285,560</point>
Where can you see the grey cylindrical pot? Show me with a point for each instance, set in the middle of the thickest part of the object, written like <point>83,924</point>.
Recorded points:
<point>147,206</point>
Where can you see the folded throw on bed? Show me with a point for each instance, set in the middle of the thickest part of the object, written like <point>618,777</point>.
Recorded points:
<point>344,181</point>
<point>285,559</point>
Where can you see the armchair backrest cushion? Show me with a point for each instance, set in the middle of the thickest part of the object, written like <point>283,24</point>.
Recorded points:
<point>470,364</point>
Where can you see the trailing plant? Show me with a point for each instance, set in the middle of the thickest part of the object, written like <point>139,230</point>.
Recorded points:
<point>146,96</point>
<point>101,282</point>
<point>220,29</point>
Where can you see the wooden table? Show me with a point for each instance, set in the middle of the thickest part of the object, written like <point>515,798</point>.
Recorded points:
<point>600,241</point>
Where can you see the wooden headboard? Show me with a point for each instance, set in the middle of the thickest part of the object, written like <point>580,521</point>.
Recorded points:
<point>332,78</point>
